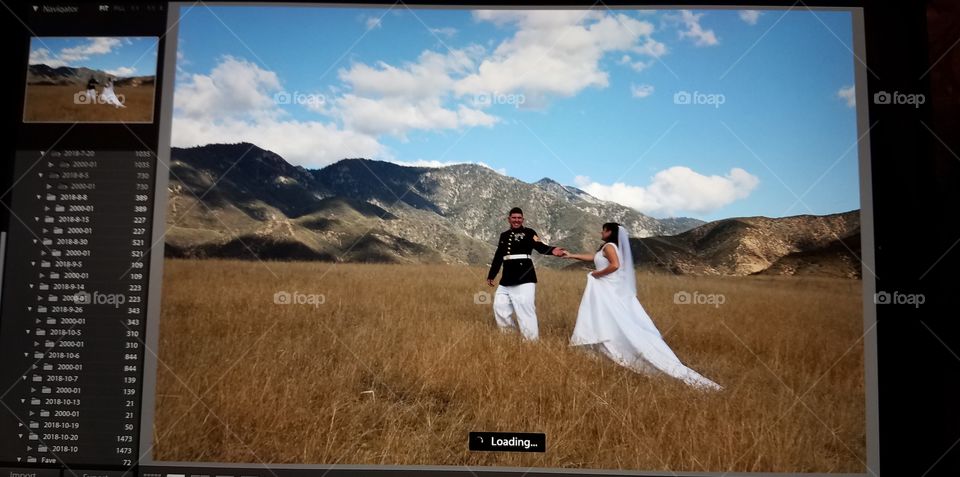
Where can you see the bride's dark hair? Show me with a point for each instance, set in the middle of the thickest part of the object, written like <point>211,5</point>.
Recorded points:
<point>614,229</point>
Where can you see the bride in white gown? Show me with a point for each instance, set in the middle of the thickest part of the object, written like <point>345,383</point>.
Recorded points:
<point>109,97</point>
<point>612,321</point>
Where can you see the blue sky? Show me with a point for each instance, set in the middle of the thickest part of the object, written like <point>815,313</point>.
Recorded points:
<point>120,56</point>
<point>592,99</point>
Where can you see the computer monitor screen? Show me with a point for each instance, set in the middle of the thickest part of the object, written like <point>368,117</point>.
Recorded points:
<point>459,239</point>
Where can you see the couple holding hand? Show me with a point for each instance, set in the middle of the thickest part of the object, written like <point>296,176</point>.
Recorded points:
<point>610,320</point>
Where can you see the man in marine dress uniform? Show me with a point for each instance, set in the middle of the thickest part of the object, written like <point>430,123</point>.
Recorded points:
<point>517,288</point>
<point>92,90</point>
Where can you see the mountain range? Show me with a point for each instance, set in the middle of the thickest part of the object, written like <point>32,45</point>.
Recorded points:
<point>826,245</point>
<point>41,74</point>
<point>241,201</point>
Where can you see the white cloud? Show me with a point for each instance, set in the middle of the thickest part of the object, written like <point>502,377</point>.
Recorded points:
<point>676,190</point>
<point>122,71</point>
<point>42,56</point>
<point>554,53</point>
<point>310,144</point>
<point>641,91</point>
<point>750,16</point>
<point>95,46</point>
<point>373,23</point>
<point>652,48</point>
<point>235,103</point>
<point>474,117</point>
<point>397,115</point>
<point>234,86</point>
<point>848,94</point>
<point>694,30</point>
<point>385,99</point>
<point>72,56</point>
<point>537,18</point>
<point>637,66</point>
<point>448,32</point>
<point>429,76</point>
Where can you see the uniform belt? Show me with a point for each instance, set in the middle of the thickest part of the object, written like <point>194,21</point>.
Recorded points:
<point>516,256</point>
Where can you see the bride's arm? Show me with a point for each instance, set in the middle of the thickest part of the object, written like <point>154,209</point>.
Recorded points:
<point>580,256</point>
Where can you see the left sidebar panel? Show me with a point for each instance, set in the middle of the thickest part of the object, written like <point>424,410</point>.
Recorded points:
<point>76,233</point>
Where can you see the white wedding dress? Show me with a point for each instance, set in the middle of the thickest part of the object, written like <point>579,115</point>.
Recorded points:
<point>109,97</point>
<point>612,321</point>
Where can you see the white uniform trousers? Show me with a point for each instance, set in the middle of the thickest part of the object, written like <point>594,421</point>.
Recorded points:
<point>517,299</point>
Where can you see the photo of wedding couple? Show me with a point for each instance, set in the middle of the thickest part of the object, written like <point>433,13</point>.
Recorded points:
<point>610,320</point>
<point>105,96</point>
<point>387,228</point>
<point>91,79</point>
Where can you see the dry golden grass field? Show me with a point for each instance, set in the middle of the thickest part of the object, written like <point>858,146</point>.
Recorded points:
<point>46,103</point>
<point>399,364</point>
